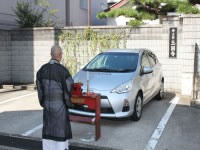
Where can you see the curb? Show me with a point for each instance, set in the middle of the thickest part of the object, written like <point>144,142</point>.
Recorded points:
<point>29,87</point>
<point>17,141</point>
<point>195,103</point>
<point>9,148</point>
<point>90,147</point>
<point>32,143</point>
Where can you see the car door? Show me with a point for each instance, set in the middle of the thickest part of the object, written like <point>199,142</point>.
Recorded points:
<point>155,74</point>
<point>146,82</point>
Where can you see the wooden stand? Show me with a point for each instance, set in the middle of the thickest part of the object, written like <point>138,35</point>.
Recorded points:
<point>93,101</point>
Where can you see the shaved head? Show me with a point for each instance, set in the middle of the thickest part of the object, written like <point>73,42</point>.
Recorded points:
<point>56,52</point>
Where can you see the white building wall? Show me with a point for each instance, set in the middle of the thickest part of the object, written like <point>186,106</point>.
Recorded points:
<point>8,17</point>
<point>22,52</point>
<point>96,7</point>
<point>121,20</point>
<point>78,16</point>
<point>60,16</point>
<point>113,1</point>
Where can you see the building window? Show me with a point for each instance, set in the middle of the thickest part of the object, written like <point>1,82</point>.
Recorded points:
<point>84,4</point>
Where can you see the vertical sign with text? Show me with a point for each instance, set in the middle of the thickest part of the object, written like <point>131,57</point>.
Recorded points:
<point>173,43</point>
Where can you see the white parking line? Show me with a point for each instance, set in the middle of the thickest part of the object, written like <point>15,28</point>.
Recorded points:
<point>161,126</point>
<point>16,98</point>
<point>27,133</point>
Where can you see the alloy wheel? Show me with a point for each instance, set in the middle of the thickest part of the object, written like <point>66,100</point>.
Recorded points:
<point>139,106</point>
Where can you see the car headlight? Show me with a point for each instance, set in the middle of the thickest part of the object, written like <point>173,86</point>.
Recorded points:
<point>123,88</point>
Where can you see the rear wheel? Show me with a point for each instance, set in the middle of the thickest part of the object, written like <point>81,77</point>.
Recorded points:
<point>160,95</point>
<point>137,108</point>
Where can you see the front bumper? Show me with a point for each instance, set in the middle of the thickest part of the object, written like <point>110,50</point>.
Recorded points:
<point>111,106</point>
<point>104,115</point>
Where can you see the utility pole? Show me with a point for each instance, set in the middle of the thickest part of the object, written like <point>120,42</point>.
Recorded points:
<point>89,12</point>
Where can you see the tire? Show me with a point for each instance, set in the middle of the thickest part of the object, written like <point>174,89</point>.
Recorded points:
<point>137,108</point>
<point>160,95</point>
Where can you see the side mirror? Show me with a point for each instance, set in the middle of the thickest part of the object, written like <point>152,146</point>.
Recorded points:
<point>146,70</point>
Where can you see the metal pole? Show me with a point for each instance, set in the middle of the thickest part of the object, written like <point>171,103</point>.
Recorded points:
<point>98,117</point>
<point>195,70</point>
<point>89,12</point>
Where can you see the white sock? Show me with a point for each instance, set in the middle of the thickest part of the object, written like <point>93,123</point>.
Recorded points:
<point>67,144</point>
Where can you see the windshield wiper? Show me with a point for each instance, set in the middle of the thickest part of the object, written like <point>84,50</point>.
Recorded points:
<point>109,70</point>
<point>126,70</point>
<point>102,70</point>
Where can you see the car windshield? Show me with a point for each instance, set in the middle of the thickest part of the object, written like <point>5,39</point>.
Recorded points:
<point>113,62</point>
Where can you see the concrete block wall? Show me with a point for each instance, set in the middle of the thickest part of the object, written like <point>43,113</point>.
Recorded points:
<point>5,57</point>
<point>22,56</point>
<point>29,49</point>
<point>153,37</point>
<point>43,41</point>
<point>156,38</point>
<point>191,36</point>
<point>83,49</point>
<point>32,48</point>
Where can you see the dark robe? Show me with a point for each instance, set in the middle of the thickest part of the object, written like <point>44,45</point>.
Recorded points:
<point>54,85</point>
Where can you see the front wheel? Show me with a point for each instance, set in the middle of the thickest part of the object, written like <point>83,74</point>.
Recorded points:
<point>137,108</point>
<point>160,95</point>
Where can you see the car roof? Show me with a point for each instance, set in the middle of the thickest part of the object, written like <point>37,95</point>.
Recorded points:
<point>126,50</point>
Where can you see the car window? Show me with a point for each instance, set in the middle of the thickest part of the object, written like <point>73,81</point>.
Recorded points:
<point>98,62</point>
<point>114,62</point>
<point>152,59</point>
<point>145,61</point>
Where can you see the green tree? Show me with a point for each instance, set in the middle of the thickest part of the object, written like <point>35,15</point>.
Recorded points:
<point>150,9</point>
<point>30,13</point>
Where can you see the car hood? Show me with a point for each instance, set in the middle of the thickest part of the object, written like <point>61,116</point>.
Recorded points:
<point>102,81</point>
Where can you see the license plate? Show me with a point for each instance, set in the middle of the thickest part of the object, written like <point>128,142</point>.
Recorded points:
<point>78,100</point>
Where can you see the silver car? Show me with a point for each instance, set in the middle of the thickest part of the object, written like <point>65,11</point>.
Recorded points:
<point>126,80</point>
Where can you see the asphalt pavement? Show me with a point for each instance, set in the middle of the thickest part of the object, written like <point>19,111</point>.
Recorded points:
<point>21,116</point>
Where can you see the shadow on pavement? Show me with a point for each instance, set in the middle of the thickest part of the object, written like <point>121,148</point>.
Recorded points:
<point>167,96</point>
<point>113,129</point>
<point>16,141</point>
<point>14,123</point>
<point>9,91</point>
